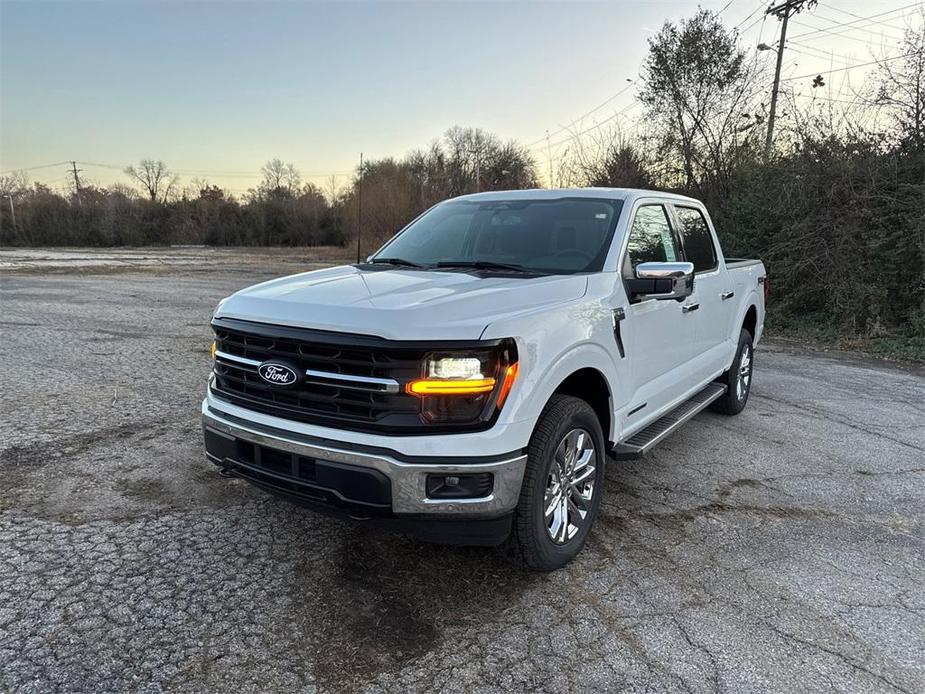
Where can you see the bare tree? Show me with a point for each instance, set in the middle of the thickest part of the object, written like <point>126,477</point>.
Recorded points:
<point>608,159</point>
<point>901,89</point>
<point>14,184</point>
<point>280,179</point>
<point>154,176</point>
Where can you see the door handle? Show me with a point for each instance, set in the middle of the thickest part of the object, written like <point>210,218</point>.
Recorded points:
<point>727,295</point>
<point>690,307</point>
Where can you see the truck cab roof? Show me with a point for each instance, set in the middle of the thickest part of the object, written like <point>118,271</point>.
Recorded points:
<point>622,194</point>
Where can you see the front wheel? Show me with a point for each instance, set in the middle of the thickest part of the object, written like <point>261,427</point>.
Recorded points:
<point>738,379</point>
<point>562,486</point>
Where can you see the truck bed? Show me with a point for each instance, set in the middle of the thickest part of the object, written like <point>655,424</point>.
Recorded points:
<point>732,263</point>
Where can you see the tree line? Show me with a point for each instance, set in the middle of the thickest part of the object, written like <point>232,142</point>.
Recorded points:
<point>836,208</point>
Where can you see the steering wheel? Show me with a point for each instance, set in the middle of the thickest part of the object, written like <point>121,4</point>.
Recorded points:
<point>575,252</point>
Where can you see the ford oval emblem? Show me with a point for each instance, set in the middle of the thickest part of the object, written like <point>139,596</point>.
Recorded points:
<point>277,374</point>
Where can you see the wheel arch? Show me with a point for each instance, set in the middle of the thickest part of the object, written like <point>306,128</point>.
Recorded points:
<point>590,385</point>
<point>750,321</point>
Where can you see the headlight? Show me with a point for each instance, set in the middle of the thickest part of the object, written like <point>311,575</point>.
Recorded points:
<point>465,386</point>
<point>213,349</point>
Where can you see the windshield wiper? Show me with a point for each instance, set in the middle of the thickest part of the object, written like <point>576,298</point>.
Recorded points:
<point>401,262</point>
<point>485,265</point>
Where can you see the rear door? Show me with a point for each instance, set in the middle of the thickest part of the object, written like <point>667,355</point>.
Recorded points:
<point>714,294</point>
<point>659,336</point>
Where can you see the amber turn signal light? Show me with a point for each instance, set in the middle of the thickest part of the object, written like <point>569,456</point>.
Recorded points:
<point>510,375</point>
<point>436,386</point>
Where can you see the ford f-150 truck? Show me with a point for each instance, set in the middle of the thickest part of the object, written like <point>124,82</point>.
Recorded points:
<point>468,381</point>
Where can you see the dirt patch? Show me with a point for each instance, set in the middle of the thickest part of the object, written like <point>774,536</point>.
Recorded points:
<point>390,598</point>
<point>148,489</point>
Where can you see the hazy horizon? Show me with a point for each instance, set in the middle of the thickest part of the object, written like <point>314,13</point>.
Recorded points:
<point>216,90</point>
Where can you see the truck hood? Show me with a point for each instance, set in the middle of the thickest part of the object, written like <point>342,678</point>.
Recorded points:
<point>398,304</point>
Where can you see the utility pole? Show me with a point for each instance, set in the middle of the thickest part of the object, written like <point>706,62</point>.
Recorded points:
<point>359,206</point>
<point>75,171</point>
<point>478,171</point>
<point>783,12</point>
<point>12,211</point>
<point>552,184</point>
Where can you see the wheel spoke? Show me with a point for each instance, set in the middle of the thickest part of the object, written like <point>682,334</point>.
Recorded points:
<point>551,503</point>
<point>556,521</point>
<point>579,499</point>
<point>579,478</point>
<point>579,443</point>
<point>578,513</point>
<point>583,459</point>
<point>563,527</point>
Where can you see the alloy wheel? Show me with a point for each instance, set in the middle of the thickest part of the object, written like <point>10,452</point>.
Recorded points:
<point>570,486</point>
<point>745,372</point>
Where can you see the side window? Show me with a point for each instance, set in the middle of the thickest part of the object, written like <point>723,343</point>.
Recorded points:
<point>698,242</point>
<point>651,240</point>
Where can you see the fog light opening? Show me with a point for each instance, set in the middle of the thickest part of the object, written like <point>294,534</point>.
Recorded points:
<point>458,486</point>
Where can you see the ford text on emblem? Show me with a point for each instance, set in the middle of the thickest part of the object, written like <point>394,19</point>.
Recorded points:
<point>277,374</point>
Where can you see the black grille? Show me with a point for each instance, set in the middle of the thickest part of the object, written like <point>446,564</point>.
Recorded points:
<point>318,403</point>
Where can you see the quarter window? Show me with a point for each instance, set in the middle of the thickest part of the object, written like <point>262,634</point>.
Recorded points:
<point>651,240</point>
<point>698,241</point>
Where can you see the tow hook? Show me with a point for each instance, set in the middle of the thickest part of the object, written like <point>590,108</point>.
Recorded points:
<point>227,472</point>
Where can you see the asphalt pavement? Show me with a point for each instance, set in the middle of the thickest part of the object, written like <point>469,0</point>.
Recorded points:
<point>780,550</point>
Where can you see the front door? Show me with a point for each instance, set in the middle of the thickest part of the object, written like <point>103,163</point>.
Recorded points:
<point>658,333</point>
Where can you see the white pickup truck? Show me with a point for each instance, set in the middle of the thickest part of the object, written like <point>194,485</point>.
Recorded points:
<point>468,381</point>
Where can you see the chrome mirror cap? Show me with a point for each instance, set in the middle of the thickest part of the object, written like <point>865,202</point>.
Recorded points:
<point>668,280</point>
<point>661,271</point>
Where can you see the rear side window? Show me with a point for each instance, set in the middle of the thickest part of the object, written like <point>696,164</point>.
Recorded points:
<point>650,240</point>
<point>698,242</point>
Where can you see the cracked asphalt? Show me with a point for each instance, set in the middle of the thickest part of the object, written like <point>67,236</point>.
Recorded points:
<point>780,550</point>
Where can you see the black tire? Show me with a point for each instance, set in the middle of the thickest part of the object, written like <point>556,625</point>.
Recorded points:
<point>736,397</point>
<point>531,544</point>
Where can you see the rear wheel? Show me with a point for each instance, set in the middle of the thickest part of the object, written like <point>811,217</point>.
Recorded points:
<point>738,379</point>
<point>562,486</point>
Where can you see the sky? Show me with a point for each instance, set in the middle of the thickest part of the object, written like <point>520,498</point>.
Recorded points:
<point>217,89</point>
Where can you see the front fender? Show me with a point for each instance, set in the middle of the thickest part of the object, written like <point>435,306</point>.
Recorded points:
<point>551,348</point>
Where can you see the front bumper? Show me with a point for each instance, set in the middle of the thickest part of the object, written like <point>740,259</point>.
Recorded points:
<point>360,481</point>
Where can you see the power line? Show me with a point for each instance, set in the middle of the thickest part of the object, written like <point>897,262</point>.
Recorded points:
<point>866,19</point>
<point>865,28</point>
<point>725,7</point>
<point>33,168</point>
<point>839,34</point>
<point>222,174</point>
<point>817,53</point>
<point>750,15</point>
<point>852,67</point>
<point>575,136</point>
<point>852,14</point>
<point>582,116</point>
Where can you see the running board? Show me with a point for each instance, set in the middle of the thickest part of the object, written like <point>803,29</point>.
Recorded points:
<point>643,440</point>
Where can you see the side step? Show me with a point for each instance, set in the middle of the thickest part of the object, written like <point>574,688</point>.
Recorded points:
<point>643,440</point>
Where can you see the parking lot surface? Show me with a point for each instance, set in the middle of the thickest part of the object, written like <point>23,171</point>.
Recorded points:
<point>780,550</point>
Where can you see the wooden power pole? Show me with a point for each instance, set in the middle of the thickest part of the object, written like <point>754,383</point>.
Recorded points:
<point>12,211</point>
<point>783,12</point>
<point>359,206</point>
<point>75,171</point>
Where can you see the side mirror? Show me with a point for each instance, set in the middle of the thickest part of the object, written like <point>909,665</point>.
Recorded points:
<point>661,281</point>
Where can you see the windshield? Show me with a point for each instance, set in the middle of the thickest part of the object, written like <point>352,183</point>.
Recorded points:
<point>562,236</point>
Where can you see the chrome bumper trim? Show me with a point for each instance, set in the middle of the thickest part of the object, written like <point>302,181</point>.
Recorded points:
<point>408,479</point>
